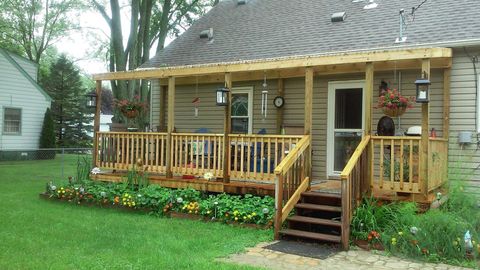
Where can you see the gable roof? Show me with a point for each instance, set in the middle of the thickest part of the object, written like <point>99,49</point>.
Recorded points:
<point>266,29</point>
<point>12,61</point>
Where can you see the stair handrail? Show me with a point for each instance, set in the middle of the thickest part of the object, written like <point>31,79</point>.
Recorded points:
<point>353,175</point>
<point>302,181</point>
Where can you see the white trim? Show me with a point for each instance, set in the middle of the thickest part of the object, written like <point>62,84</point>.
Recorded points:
<point>478,103</point>
<point>249,91</point>
<point>332,86</point>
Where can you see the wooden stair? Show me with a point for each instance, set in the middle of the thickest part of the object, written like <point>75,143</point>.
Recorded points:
<point>317,218</point>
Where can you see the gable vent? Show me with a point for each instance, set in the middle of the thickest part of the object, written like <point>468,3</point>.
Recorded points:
<point>207,34</point>
<point>339,16</point>
<point>241,2</point>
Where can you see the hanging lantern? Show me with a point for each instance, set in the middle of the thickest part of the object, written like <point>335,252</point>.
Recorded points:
<point>423,87</point>
<point>91,100</point>
<point>222,96</point>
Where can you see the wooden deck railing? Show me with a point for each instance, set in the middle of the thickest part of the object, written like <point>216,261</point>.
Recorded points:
<point>437,163</point>
<point>196,154</point>
<point>395,164</point>
<point>253,157</point>
<point>257,156</point>
<point>121,150</point>
<point>354,183</point>
<point>291,180</point>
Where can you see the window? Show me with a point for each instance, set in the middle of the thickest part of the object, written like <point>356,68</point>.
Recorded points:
<point>12,121</point>
<point>242,100</point>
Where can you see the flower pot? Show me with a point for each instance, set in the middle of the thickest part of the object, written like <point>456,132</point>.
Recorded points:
<point>394,112</point>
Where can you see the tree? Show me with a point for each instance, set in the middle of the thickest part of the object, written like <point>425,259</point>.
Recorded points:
<point>47,137</point>
<point>107,101</point>
<point>150,23</point>
<point>34,25</point>
<point>72,120</point>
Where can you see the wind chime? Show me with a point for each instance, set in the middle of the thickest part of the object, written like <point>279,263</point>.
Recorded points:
<point>196,100</point>
<point>264,96</point>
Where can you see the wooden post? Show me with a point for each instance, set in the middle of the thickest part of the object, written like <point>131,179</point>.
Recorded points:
<point>163,102</point>
<point>170,124</point>
<point>226,130</point>
<point>425,133</point>
<point>96,122</point>
<point>278,206</point>
<point>446,103</point>
<point>308,118</point>
<point>280,93</point>
<point>369,76</point>
<point>368,97</point>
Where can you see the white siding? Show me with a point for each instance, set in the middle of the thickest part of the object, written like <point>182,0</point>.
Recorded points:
<point>18,92</point>
<point>464,161</point>
<point>30,67</point>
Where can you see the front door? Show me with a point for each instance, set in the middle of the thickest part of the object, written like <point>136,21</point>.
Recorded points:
<point>345,123</point>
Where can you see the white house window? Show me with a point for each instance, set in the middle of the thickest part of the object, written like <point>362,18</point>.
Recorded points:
<point>242,106</point>
<point>12,121</point>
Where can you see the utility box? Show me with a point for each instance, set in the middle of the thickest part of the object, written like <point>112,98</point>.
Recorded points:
<point>465,137</point>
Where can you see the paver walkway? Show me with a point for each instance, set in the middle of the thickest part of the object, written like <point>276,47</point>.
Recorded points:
<point>350,260</point>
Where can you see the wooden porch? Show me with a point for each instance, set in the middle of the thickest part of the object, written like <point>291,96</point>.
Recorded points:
<point>281,165</point>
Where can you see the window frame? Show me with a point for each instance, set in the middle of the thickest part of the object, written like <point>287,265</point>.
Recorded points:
<point>249,92</point>
<point>19,133</point>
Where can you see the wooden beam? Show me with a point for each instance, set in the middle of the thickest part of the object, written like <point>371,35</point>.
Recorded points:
<point>369,70</point>
<point>163,103</point>
<point>318,71</point>
<point>227,130</point>
<point>281,63</point>
<point>96,121</point>
<point>425,133</point>
<point>446,102</point>
<point>170,124</point>
<point>280,93</point>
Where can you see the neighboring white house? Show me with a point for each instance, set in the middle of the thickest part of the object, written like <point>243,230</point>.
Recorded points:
<point>22,103</point>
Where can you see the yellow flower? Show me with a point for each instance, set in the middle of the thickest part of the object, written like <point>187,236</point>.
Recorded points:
<point>208,212</point>
<point>254,214</point>
<point>249,216</point>
<point>400,233</point>
<point>124,203</point>
<point>190,211</point>
<point>133,203</point>
<point>236,218</point>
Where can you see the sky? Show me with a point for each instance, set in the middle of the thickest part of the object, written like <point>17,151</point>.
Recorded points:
<point>82,45</point>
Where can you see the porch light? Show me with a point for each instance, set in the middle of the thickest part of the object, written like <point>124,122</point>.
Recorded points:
<point>222,96</point>
<point>423,86</point>
<point>91,100</point>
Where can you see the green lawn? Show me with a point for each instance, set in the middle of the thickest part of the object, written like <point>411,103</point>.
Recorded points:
<point>40,234</point>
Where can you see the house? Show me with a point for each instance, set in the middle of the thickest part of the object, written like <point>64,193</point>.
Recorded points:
<point>22,103</point>
<point>322,63</point>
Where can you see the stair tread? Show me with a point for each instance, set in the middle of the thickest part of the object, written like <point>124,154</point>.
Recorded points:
<point>311,235</point>
<point>322,194</point>
<point>319,207</point>
<point>319,221</point>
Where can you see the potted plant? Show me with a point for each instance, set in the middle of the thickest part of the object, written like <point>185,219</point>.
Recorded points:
<point>393,103</point>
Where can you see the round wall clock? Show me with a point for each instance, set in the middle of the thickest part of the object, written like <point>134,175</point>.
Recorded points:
<point>278,102</point>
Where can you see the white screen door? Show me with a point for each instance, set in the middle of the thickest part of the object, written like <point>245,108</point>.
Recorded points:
<point>345,123</point>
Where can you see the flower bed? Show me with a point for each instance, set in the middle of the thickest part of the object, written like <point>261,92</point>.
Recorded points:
<point>247,209</point>
<point>448,234</point>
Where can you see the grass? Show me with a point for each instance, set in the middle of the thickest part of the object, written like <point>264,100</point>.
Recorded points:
<point>40,234</point>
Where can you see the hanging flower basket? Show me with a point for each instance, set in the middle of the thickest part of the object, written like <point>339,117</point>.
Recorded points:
<point>394,112</point>
<point>393,103</point>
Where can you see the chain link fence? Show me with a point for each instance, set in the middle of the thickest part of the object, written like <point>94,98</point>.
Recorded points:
<point>59,162</point>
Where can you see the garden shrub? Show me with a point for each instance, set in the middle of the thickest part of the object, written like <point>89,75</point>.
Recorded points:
<point>47,137</point>
<point>436,235</point>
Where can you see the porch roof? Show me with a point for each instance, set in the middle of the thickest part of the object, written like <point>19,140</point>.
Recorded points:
<point>293,66</point>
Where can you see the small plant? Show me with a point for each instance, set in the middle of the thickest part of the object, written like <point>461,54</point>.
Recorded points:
<point>137,179</point>
<point>84,167</point>
<point>392,99</point>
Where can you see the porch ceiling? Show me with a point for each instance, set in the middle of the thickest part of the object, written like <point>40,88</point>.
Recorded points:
<point>350,62</point>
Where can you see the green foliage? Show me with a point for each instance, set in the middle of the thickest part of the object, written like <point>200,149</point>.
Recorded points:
<point>72,119</point>
<point>47,137</point>
<point>136,179</point>
<point>84,167</point>
<point>437,235</point>
<point>161,201</point>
